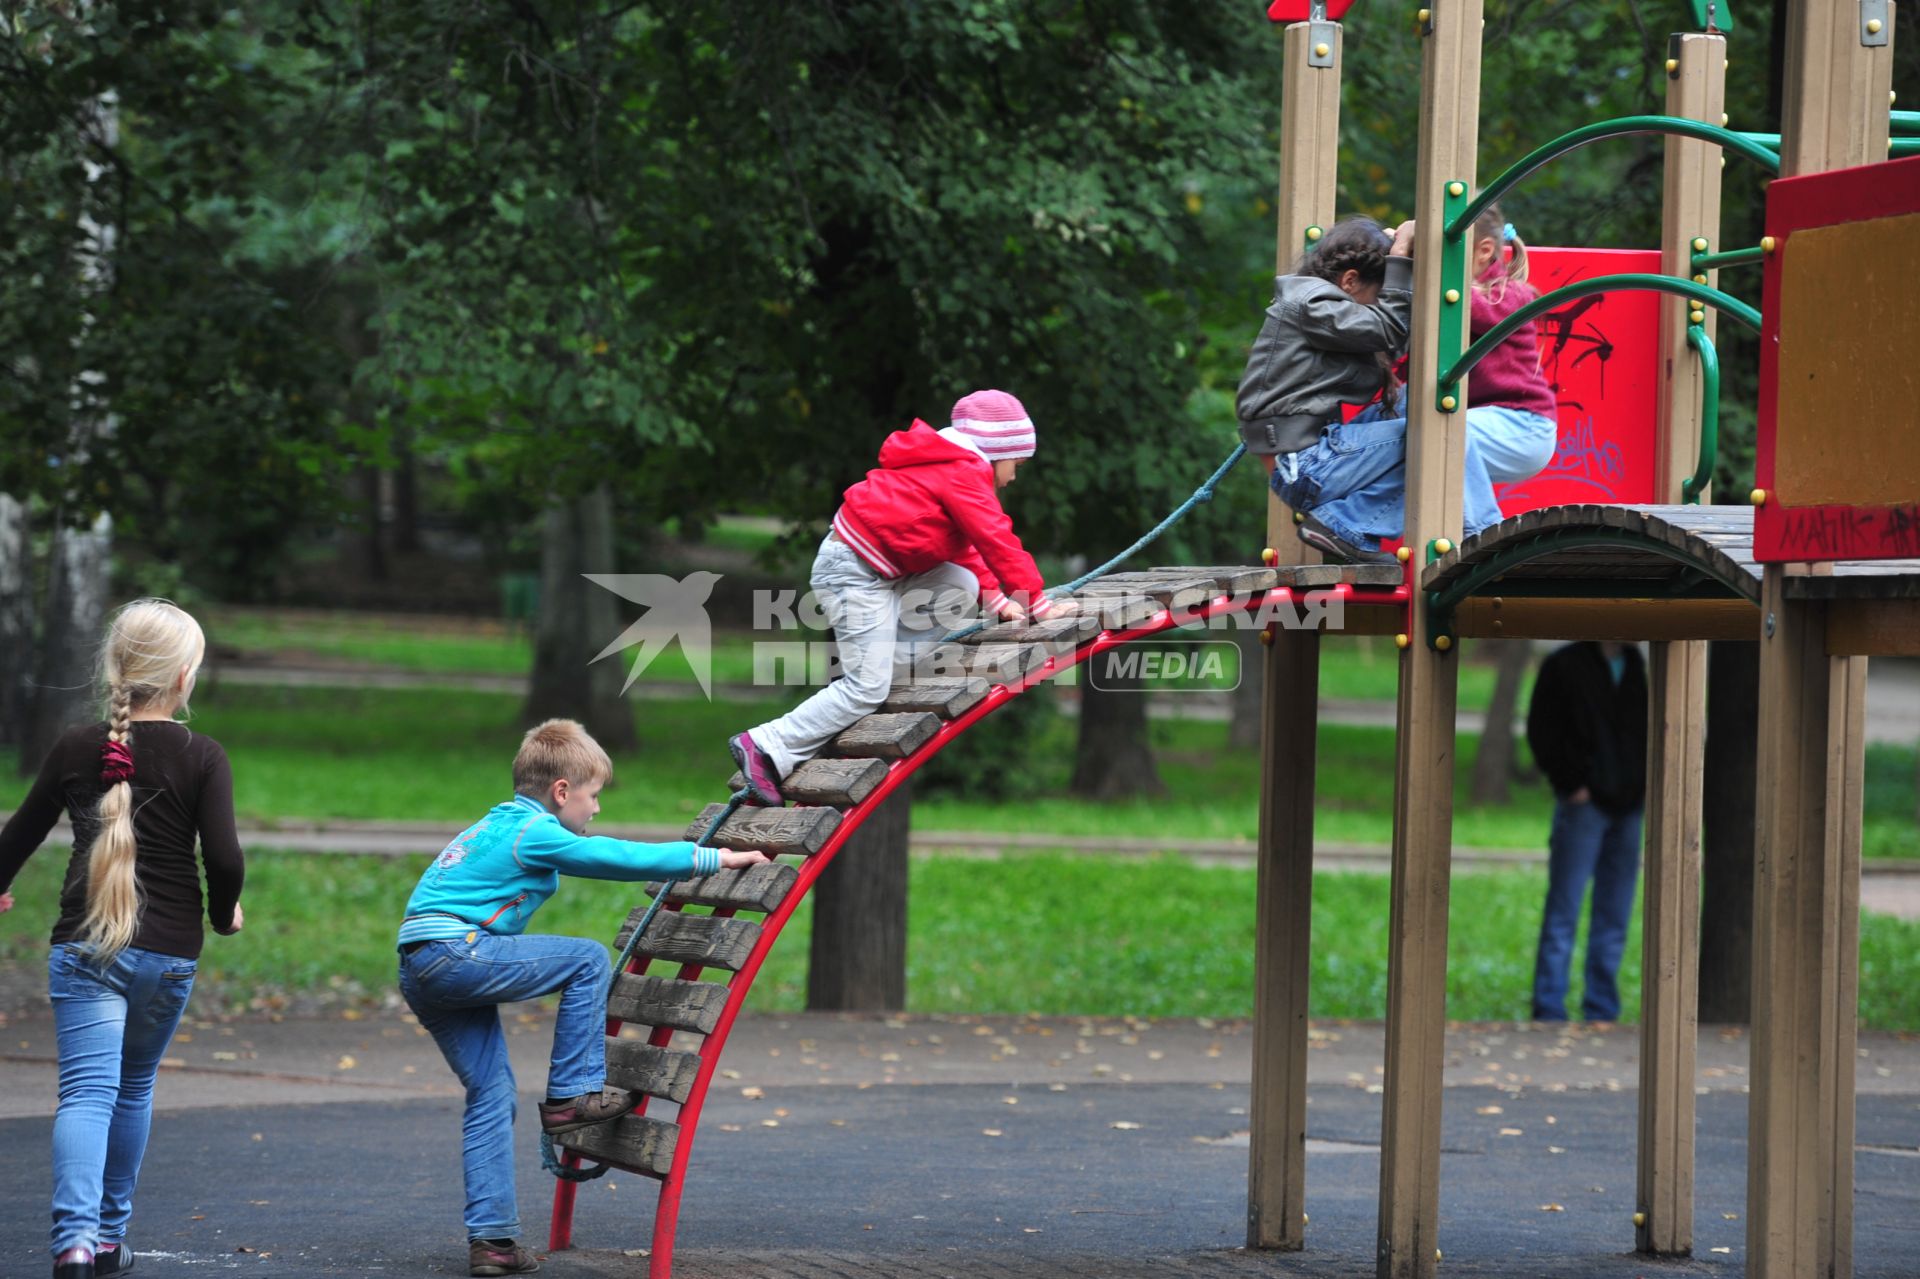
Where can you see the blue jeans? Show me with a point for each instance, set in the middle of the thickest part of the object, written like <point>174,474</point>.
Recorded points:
<point>1587,844</point>
<point>1354,479</point>
<point>112,1026</point>
<point>455,989</point>
<point>1514,444</point>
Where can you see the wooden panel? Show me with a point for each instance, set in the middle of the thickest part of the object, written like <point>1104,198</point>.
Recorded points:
<point>760,888</point>
<point>946,698</point>
<point>839,782</point>
<point>885,736</point>
<point>706,940</point>
<point>657,1072</point>
<point>1877,628</point>
<point>636,1142</point>
<point>1119,612</point>
<point>1058,633</point>
<point>1670,944</point>
<point>643,999</point>
<point>1696,90</point>
<point>802,831</point>
<point>1181,595</point>
<point>1232,579</point>
<point>1006,663</point>
<point>1516,617</point>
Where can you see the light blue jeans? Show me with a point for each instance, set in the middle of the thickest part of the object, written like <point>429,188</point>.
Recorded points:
<point>1354,478</point>
<point>1515,444</point>
<point>455,988</point>
<point>1587,845</point>
<point>112,1026</point>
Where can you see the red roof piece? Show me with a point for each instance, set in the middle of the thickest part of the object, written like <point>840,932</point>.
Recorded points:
<point>1302,10</point>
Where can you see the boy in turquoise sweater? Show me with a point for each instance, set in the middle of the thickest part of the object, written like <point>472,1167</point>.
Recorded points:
<point>463,953</point>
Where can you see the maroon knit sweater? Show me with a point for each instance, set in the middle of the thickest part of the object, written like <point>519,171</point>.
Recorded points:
<point>182,790</point>
<point>1510,376</point>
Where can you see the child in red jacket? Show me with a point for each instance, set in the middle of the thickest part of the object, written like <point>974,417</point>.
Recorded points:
<point>912,546</point>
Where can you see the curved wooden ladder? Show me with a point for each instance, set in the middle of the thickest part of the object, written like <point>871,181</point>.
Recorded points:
<point>829,798</point>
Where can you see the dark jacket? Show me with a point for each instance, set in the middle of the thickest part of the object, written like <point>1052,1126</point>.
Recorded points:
<point>1316,352</point>
<point>1585,730</point>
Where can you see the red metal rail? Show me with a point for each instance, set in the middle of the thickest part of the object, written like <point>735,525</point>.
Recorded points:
<point>667,1213</point>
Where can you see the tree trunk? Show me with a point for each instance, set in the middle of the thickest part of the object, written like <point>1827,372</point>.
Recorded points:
<point>1727,846</point>
<point>1113,757</point>
<point>1493,766</point>
<point>373,550</point>
<point>406,496</point>
<point>576,620</point>
<point>16,619</point>
<point>858,958</point>
<point>1243,730</point>
<point>63,693</point>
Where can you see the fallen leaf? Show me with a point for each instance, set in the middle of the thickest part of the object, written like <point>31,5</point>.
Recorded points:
<point>1730,1216</point>
<point>729,1074</point>
<point>1011,1101</point>
<point>1719,1250</point>
<point>838,1123</point>
<point>1510,1132</point>
<point>781,1111</point>
<point>259,1202</point>
<point>346,1063</point>
<point>226,1056</point>
<point>242,1248</point>
<point>259,1136</point>
<point>636,1252</point>
<point>1490,1110</point>
<point>991,1132</point>
<point>753,1092</point>
<point>730,1128</point>
<point>1553,1208</point>
<point>1029,1230</point>
<point>1556,1150</point>
<point>769,1123</point>
<point>1125,1125</point>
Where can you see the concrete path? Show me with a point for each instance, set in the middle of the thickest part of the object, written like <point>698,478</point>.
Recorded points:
<point>924,1146</point>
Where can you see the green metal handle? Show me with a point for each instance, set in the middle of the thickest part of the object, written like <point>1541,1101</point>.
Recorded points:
<point>1895,146</point>
<point>1628,283</point>
<point>1625,126</point>
<point>1695,484</point>
<point>1906,120</point>
<point>1732,257</point>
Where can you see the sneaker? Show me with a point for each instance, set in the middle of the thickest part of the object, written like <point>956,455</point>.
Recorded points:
<point>485,1258</point>
<point>1337,548</point>
<point>74,1263</point>
<point>113,1259</point>
<point>585,1111</point>
<point>763,787</point>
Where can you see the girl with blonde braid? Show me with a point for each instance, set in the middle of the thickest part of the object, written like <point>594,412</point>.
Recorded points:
<point>140,789</point>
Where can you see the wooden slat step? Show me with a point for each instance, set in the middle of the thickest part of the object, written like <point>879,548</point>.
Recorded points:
<point>1237,579</point>
<point>707,940</point>
<point>885,736</point>
<point>644,999</point>
<point>1174,593</point>
<point>760,888</point>
<point>1372,574</point>
<point>1308,576</point>
<point>637,1142</point>
<point>839,782</point>
<point>801,830</point>
<point>1005,663</point>
<point>1059,634</point>
<point>944,697</point>
<point>1118,612</point>
<point>657,1072</point>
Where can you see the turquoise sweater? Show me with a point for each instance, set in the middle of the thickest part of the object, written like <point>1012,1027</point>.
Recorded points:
<point>505,866</point>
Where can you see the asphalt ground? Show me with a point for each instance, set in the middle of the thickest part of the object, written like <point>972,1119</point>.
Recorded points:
<point>866,1146</point>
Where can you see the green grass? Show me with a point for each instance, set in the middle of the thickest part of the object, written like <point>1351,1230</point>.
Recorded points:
<point>1010,936</point>
<point>442,755</point>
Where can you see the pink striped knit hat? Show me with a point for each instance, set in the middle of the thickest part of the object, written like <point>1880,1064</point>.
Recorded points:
<point>996,423</point>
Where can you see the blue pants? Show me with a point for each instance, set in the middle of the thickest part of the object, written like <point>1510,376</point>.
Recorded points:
<point>1354,479</point>
<point>112,1026</point>
<point>455,989</point>
<point>1588,844</point>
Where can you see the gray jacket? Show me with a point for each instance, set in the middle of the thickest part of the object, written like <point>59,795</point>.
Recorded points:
<point>1316,352</point>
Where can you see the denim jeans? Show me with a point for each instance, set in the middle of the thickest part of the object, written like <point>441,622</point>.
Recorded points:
<point>1514,444</point>
<point>455,989</point>
<point>876,621</point>
<point>1354,479</point>
<point>1588,844</point>
<point>112,1026</point>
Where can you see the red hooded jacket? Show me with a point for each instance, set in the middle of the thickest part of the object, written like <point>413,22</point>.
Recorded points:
<point>931,502</point>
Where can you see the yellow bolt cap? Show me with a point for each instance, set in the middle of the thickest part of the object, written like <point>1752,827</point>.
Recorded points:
<point>1448,403</point>
<point>1453,295</point>
<point>1701,278</point>
<point>1456,188</point>
<point>1442,545</point>
<point>1724,117</point>
<point>1304,1218</point>
<point>1266,636</point>
<point>1314,233</point>
<point>1639,1218</point>
<point>1443,643</point>
<point>1405,553</point>
<point>1425,15</point>
<point>1402,640</point>
<point>1873,26</point>
<point>1673,65</point>
<point>1321,51</point>
<point>1269,556</point>
<point>1697,317</point>
<point>1758,497</point>
<point>1767,243</point>
<point>1699,244</point>
<point>1299,517</point>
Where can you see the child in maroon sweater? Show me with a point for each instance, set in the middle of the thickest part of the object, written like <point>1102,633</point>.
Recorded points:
<point>1512,416</point>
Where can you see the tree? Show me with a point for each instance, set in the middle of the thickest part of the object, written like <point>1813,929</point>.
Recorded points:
<point>857,956</point>
<point>576,620</point>
<point>1493,766</point>
<point>1113,758</point>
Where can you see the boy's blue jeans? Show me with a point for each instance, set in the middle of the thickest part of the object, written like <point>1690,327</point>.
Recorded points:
<point>112,1026</point>
<point>1354,479</point>
<point>455,988</point>
<point>1587,844</point>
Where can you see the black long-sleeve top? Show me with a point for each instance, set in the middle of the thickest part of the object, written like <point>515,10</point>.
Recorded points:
<point>182,792</point>
<point>1586,730</point>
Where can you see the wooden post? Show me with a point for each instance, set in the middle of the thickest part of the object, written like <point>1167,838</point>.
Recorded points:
<point>1806,901</point>
<point>1408,1239</point>
<point>1276,1171</point>
<point>1677,678</point>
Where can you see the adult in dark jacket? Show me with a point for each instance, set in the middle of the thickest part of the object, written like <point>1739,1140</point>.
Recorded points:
<point>1587,725</point>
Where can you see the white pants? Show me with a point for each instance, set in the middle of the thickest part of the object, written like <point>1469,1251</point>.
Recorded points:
<point>876,622</point>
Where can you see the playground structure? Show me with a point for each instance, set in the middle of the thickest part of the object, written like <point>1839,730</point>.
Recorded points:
<point>1807,571</point>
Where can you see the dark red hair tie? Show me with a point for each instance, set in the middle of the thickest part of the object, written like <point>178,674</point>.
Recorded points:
<point>116,763</point>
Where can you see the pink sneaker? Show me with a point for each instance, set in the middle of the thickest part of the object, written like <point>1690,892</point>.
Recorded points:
<point>763,786</point>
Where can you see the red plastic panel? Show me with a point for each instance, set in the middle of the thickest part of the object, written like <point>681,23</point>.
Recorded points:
<point>1838,379</point>
<point>1601,355</point>
<point>1302,10</point>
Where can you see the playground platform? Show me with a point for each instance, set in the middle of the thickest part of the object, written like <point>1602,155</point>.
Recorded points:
<point>330,1147</point>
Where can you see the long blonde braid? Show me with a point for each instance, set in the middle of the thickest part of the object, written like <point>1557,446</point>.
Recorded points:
<point>149,643</point>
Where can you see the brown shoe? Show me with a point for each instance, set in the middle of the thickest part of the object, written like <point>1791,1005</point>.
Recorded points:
<point>586,1110</point>
<point>484,1258</point>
